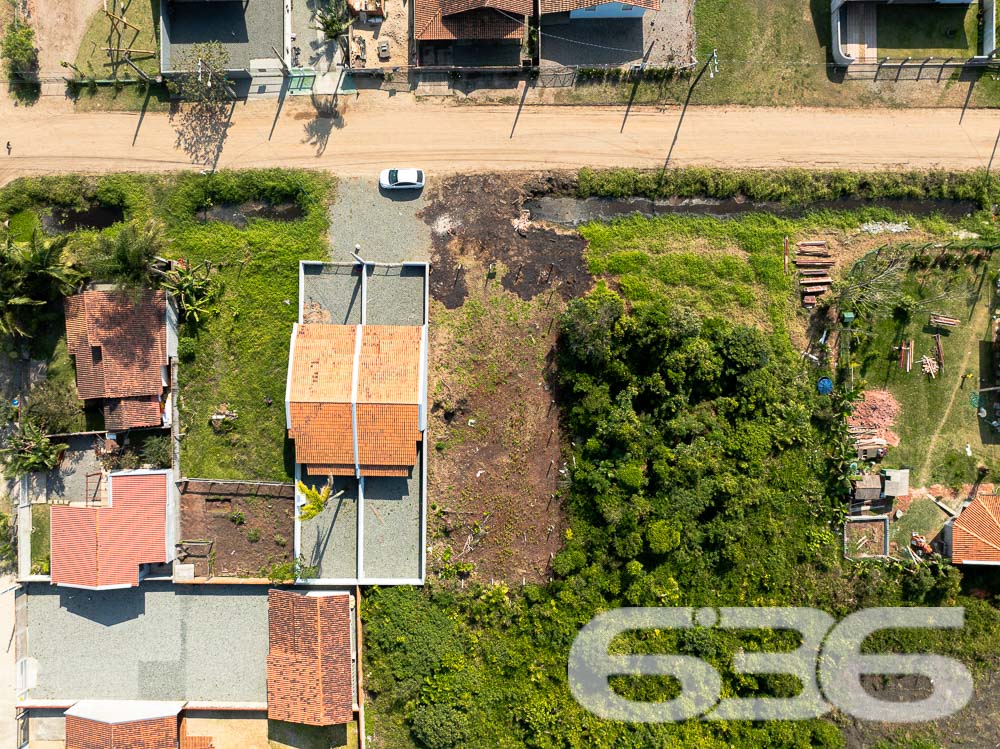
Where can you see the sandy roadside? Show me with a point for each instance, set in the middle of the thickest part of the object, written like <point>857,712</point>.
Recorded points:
<point>448,138</point>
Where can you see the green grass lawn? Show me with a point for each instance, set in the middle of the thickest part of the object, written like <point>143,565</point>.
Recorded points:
<point>92,57</point>
<point>732,267</point>
<point>927,31</point>
<point>923,517</point>
<point>40,521</point>
<point>937,418</point>
<point>133,97</point>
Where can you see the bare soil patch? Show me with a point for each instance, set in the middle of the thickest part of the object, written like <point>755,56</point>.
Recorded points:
<point>232,530</point>
<point>495,473</point>
<point>874,414</point>
<point>481,217</point>
<point>864,538</point>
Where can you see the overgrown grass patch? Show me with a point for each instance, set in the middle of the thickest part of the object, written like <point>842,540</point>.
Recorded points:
<point>40,540</point>
<point>240,356</point>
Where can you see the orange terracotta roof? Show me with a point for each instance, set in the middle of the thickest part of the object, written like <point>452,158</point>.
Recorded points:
<point>321,386</point>
<point>309,677</point>
<point>157,733</point>
<point>514,7</point>
<point>103,546</point>
<point>430,23</point>
<point>563,6</point>
<point>119,343</point>
<point>128,413</point>
<point>975,534</point>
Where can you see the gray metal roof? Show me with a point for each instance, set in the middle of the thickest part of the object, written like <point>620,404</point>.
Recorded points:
<point>158,641</point>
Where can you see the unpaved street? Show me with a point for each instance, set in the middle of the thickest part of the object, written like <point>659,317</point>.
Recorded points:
<point>376,132</point>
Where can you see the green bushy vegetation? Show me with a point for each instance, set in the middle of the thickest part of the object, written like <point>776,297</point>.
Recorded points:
<point>788,185</point>
<point>698,450</point>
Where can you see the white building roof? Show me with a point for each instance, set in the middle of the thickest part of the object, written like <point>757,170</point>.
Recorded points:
<point>123,711</point>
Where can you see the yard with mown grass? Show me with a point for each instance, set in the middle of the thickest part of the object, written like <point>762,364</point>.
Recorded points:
<point>777,53</point>
<point>927,31</point>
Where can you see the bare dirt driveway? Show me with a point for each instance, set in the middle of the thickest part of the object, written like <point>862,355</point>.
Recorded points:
<point>60,26</point>
<point>374,133</point>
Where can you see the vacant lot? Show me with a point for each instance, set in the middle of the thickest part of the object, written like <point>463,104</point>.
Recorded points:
<point>496,472</point>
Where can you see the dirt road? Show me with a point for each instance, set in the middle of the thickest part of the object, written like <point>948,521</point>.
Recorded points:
<point>451,138</point>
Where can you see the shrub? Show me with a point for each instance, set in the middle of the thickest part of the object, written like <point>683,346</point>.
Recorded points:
<point>787,185</point>
<point>236,517</point>
<point>280,540</point>
<point>55,408</point>
<point>439,725</point>
<point>27,450</point>
<point>18,49</point>
<point>186,349</point>
<point>253,535</point>
<point>156,451</point>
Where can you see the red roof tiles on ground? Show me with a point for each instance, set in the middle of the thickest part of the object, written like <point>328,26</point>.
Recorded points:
<point>975,535</point>
<point>119,344</point>
<point>309,677</point>
<point>104,546</point>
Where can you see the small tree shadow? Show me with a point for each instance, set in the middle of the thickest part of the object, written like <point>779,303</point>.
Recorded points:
<point>202,128</point>
<point>328,118</point>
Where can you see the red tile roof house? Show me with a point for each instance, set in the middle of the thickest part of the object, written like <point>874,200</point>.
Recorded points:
<point>113,546</point>
<point>311,665</point>
<point>975,533</point>
<point>122,346</point>
<point>491,33</point>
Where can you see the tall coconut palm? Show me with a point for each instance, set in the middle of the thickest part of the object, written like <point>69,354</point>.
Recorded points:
<point>32,274</point>
<point>126,258</point>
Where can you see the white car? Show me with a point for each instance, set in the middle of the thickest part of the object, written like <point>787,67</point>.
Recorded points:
<point>401,179</point>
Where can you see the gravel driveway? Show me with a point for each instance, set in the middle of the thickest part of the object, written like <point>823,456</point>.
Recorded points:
<point>384,224</point>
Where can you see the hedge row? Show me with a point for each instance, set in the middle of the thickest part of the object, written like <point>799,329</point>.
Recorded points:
<point>788,185</point>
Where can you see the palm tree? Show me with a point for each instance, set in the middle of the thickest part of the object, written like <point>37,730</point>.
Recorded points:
<point>126,258</point>
<point>32,274</point>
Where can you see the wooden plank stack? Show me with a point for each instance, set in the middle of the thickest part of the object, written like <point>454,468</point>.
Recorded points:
<point>813,262</point>
<point>941,321</point>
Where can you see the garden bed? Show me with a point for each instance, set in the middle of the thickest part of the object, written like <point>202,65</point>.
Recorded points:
<point>232,529</point>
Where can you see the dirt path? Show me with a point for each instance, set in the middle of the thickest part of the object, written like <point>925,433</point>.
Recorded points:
<point>977,322</point>
<point>59,28</point>
<point>378,131</point>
